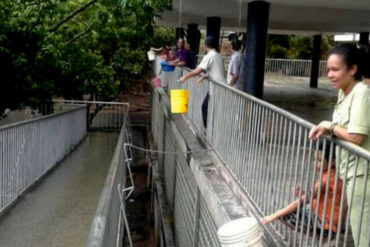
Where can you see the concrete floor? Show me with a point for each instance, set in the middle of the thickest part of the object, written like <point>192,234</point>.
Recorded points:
<point>59,210</point>
<point>294,95</point>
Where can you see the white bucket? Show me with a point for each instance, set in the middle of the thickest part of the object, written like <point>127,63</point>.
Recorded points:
<point>151,56</point>
<point>242,232</point>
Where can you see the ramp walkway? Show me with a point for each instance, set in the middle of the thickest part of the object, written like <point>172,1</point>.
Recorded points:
<point>59,210</point>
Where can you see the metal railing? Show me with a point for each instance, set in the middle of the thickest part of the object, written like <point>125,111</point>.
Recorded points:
<point>285,67</point>
<point>110,220</point>
<point>29,149</point>
<point>268,152</point>
<point>292,67</point>
<point>193,223</point>
<point>101,115</point>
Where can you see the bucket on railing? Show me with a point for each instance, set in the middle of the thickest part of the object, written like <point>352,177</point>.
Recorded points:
<point>179,100</point>
<point>156,81</point>
<point>243,232</point>
<point>151,56</point>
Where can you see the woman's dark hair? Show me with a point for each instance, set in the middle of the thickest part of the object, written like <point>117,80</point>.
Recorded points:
<point>351,56</point>
<point>327,150</point>
<point>235,44</point>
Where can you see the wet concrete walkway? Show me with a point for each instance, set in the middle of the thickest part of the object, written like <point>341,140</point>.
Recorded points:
<point>295,96</point>
<point>59,210</point>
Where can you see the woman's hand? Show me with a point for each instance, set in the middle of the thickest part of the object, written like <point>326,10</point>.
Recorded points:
<point>267,219</point>
<point>319,130</point>
<point>297,190</point>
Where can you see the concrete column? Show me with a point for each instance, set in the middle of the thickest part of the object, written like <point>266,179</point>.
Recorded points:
<point>180,33</point>
<point>213,29</point>
<point>257,25</point>
<point>315,64</point>
<point>364,38</point>
<point>193,37</point>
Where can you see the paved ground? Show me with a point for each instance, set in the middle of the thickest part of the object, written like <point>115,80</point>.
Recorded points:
<point>295,95</point>
<point>59,211</point>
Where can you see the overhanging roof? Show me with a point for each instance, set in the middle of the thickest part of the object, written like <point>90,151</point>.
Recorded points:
<point>286,16</point>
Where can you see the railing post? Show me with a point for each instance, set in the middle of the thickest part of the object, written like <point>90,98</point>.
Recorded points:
<point>196,219</point>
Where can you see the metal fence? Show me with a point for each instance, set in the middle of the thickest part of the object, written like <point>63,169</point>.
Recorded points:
<point>285,67</point>
<point>193,223</point>
<point>110,221</point>
<point>268,152</point>
<point>29,149</point>
<point>292,67</point>
<point>101,115</point>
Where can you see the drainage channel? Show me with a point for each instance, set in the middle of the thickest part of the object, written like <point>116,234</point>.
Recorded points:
<point>139,205</point>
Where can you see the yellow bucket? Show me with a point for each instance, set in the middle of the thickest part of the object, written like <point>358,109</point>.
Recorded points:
<point>179,100</point>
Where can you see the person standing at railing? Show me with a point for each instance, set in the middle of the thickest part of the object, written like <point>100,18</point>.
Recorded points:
<point>234,71</point>
<point>181,54</point>
<point>192,60</point>
<point>213,66</point>
<point>306,217</point>
<point>351,122</point>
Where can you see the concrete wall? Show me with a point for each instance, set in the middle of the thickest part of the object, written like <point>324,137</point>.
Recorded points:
<point>212,192</point>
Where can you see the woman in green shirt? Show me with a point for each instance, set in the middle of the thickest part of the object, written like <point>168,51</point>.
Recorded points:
<point>351,122</point>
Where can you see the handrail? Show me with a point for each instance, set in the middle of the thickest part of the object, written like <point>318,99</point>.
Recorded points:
<point>33,147</point>
<point>285,67</point>
<point>101,115</point>
<point>92,102</point>
<point>348,145</point>
<point>53,115</point>
<point>267,151</point>
<point>107,225</point>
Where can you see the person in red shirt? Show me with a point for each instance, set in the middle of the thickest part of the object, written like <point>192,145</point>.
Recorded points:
<point>289,215</point>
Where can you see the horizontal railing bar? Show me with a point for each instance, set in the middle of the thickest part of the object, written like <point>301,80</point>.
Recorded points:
<point>53,115</point>
<point>92,102</point>
<point>347,145</point>
<point>102,227</point>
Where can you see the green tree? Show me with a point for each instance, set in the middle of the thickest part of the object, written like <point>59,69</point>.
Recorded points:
<point>296,46</point>
<point>70,48</point>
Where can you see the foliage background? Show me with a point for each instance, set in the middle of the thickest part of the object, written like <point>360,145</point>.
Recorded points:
<point>296,46</point>
<point>72,48</point>
<point>44,53</point>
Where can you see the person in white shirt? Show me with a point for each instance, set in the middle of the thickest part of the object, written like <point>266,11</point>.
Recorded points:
<point>213,66</point>
<point>235,69</point>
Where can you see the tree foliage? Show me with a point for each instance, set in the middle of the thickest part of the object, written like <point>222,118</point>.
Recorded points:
<point>70,48</point>
<point>295,46</point>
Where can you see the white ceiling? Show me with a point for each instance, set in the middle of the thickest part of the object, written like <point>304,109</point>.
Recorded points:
<point>286,16</point>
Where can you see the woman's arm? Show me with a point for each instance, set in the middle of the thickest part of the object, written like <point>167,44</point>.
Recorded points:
<point>292,207</point>
<point>342,133</point>
<point>326,127</point>
<point>233,80</point>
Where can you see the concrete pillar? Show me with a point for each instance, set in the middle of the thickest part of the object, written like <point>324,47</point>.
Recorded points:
<point>257,25</point>
<point>180,33</point>
<point>213,29</point>
<point>315,64</point>
<point>193,37</point>
<point>364,38</point>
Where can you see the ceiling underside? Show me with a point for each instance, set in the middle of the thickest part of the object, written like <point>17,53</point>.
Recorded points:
<point>286,16</point>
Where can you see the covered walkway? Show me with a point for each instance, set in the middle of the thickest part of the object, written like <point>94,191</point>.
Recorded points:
<point>59,210</point>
